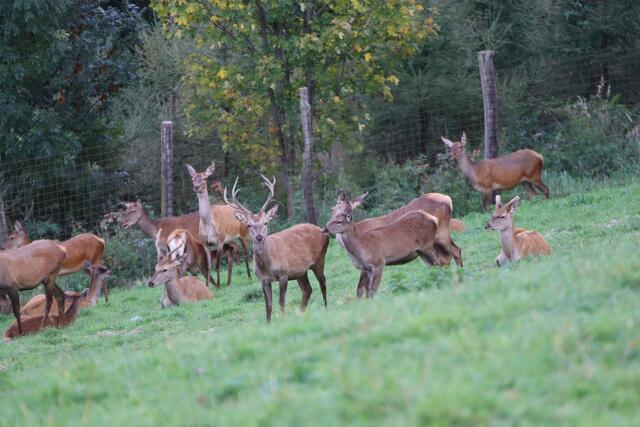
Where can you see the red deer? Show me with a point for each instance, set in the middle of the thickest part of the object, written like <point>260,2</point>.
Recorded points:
<point>32,325</point>
<point>283,256</point>
<point>17,238</point>
<point>218,225</point>
<point>197,258</point>
<point>84,247</point>
<point>410,236</point>
<point>26,267</point>
<point>98,274</point>
<point>502,173</point>
<point>516,242</point>
<point>177,290</point>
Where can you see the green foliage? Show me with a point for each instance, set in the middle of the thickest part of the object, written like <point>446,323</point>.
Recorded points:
<point>549,340</point>
<point>130,255</point>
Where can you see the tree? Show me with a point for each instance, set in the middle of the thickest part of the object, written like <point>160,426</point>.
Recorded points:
<point>252,56</point>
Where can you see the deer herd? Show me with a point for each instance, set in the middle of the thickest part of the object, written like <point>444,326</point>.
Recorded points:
<point>195,242</point>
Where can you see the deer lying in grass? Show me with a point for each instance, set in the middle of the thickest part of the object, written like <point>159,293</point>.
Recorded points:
<point>26,267</point>
<point>197,258</point>
<point>410,236</point>
<point>502,173</point>
<point>98,274</point>
<point>283,256</point>
<point>32,325</point>
<point>218,224</point>
<point>177,290</point>
<point>516,242</point>
<point>436,204</point>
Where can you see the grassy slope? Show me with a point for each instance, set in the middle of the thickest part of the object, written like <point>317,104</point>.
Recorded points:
<point>544,341</point>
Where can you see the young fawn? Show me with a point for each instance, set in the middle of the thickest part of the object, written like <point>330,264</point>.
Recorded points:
<point>177,290</point>
<point>516,242</point>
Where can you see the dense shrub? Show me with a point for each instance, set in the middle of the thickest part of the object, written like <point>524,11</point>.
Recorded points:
<point>130,255</point>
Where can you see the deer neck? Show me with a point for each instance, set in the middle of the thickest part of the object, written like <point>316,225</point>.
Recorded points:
<point>467,166</point>
<point>508,240</point>
<point>147,225</point>
<point>351,243</point>
<point>94,291</point>
<point>207,223</point>
<point>261,255</point>
<point>173,292</point>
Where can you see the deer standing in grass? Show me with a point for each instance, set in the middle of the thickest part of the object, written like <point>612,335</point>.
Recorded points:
<point>26,267</point>
<point>516,242</point>
<point>502,173</point>
<point>98,273</point>
<point>410,236</point>
<point>285,255</point>
<point>218,224</point>
<point>32,325</point>
<point>177,290</point>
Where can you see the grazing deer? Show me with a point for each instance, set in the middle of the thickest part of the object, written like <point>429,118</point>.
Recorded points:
<point>502,173</point>
<point>516,242</point>
<point>98,274</point>
<point>17,238</point>
<point>218,224</point>
<point>177,290</point>
<point>26,267</point>
<point>32,325</point>
<point>283,256</point>
<point>410,236</point>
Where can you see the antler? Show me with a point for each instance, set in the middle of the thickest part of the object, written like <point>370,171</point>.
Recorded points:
<point>234,201</point>
<point>270,185</point>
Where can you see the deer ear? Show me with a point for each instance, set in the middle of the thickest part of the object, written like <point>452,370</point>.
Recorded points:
<point>139,202</point>
<point>358,200</point>
<point>498,201</point>
<point>341,196</point>
<point>191,170</point>
<point>240,216</point>
<point>210,169</point>
<point>87,267</point>
<point>513,204</point>
<point>102,269</point>
<point>447,142</point>
<point>463,139</point>
<point>271,213</point>
<point>18,227</point>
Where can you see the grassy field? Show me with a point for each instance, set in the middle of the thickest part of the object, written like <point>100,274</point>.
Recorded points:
<point>545,341</point>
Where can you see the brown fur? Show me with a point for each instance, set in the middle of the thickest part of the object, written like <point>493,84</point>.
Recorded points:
<point>502,173</point>
<point>177,290</point>
<point>26,267</point>
<point>517,243</point>
<point>33,325</point>
<point>18,238</point>
<point>197,256</point>
<point>401,241</point>
<point>135,214</point>
<point>98,273</point>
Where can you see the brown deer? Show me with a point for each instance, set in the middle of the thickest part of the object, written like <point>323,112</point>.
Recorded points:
<point>283,256</point>
<point>84,247</point>
<point>218,224</point>
<point>177,290</point>
<point>197,258</point>
<point>33,325</point>
<point>26,267</point>
<point>502,173</point>
<point>516,242</point>
<point>410,236</point>
<point>17,238</point>
<point>98,274</point>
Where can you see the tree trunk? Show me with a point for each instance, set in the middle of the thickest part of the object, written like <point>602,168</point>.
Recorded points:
<point>166,151</point>
<point>307,165</point>
<point>489,99</point>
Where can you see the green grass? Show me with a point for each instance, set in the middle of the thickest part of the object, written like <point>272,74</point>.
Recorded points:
<point>545,341</point>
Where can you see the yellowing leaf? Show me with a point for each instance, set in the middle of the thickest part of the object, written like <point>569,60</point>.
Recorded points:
<point>368,56</point>
<point>393,79</point>
<point>222,74</point>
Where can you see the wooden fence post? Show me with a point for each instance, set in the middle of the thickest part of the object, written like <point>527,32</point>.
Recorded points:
<point>166,153</point>
<point>489,99</point>
<point>307,163</point>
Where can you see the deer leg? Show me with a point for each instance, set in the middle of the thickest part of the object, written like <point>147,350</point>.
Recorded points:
<point>14,297</point>
<point>282,288</point>
<point>47,306</point>
<point>362,284</point>
<point>305,287</point>
<point>529,189</point>
<point>105,292</point>
<point>218,267</point>
<point>205,267</point>
<point>266,290</point>
<point>246,257</point>
<point>486,199</point>
<point>445,244</point>
<point>540,185</point>
<point>322,281</point>
<point>229,269</point>
<point>375,278</point>
<point>59,295</point>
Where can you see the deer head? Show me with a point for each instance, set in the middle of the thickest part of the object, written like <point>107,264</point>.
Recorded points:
<point>342,213</point>
<point>257,223</point>
<point>502,218</point>
<point>96,270</point>
<point>166,267</point>
<point>17,239</point>
<point>132,213</point>
<point>456,148</point>
<point>199,179</point>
